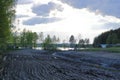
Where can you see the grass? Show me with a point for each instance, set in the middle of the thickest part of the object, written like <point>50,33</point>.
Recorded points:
<point>111,49</point>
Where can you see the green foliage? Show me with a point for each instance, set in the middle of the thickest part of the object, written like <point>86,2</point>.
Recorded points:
<point>41,37</point>
<point>34,39</point>
<point>110,37</point>
<point>115,39</point>
<point>7,13</point>
<point>64,45</point>
<point>28,39</point>
<point>54,39</point>
<point>72,41</point>
<point>25,39</point>
<point>81,43</point>
<point>87,41</point>
<point>48,44</point>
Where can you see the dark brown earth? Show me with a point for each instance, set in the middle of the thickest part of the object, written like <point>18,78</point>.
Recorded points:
<point>69,65</point>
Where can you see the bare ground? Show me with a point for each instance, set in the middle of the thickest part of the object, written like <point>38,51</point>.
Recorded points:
<point>69,65</point>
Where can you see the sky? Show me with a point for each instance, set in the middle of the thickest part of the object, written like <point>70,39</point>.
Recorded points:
<point>64,18</point>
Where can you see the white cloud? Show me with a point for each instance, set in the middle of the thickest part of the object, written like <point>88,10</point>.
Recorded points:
<point>24,9</point>
<point>74,21</point>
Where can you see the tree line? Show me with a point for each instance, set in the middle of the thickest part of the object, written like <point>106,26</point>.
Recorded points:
<point>81,43</point>
<point>109,37</point>
<point>29,39</point>
<point>50,43</point>
<point>24,39</point>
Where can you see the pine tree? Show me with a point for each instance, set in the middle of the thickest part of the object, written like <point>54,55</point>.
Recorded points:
<point>112,39</point>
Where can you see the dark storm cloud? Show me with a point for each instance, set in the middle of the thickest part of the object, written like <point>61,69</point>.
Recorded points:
<point>107,7</point>
<point>37,20</point>
<point>44,9</point>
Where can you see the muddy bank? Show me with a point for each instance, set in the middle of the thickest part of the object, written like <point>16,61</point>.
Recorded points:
<point>40,65</point>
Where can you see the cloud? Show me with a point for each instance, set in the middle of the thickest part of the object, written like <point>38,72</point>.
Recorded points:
<point>21,16</point>
<point>107,23</point>
<point>38,20</point>
<point>107,26</point>
<point>24,1</point>
<point>107,7</point>
<point>111,25</point>
<point>44,9</point>
<point>69,16</point>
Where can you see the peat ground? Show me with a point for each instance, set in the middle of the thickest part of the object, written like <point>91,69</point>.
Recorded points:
<point>69,65</point>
